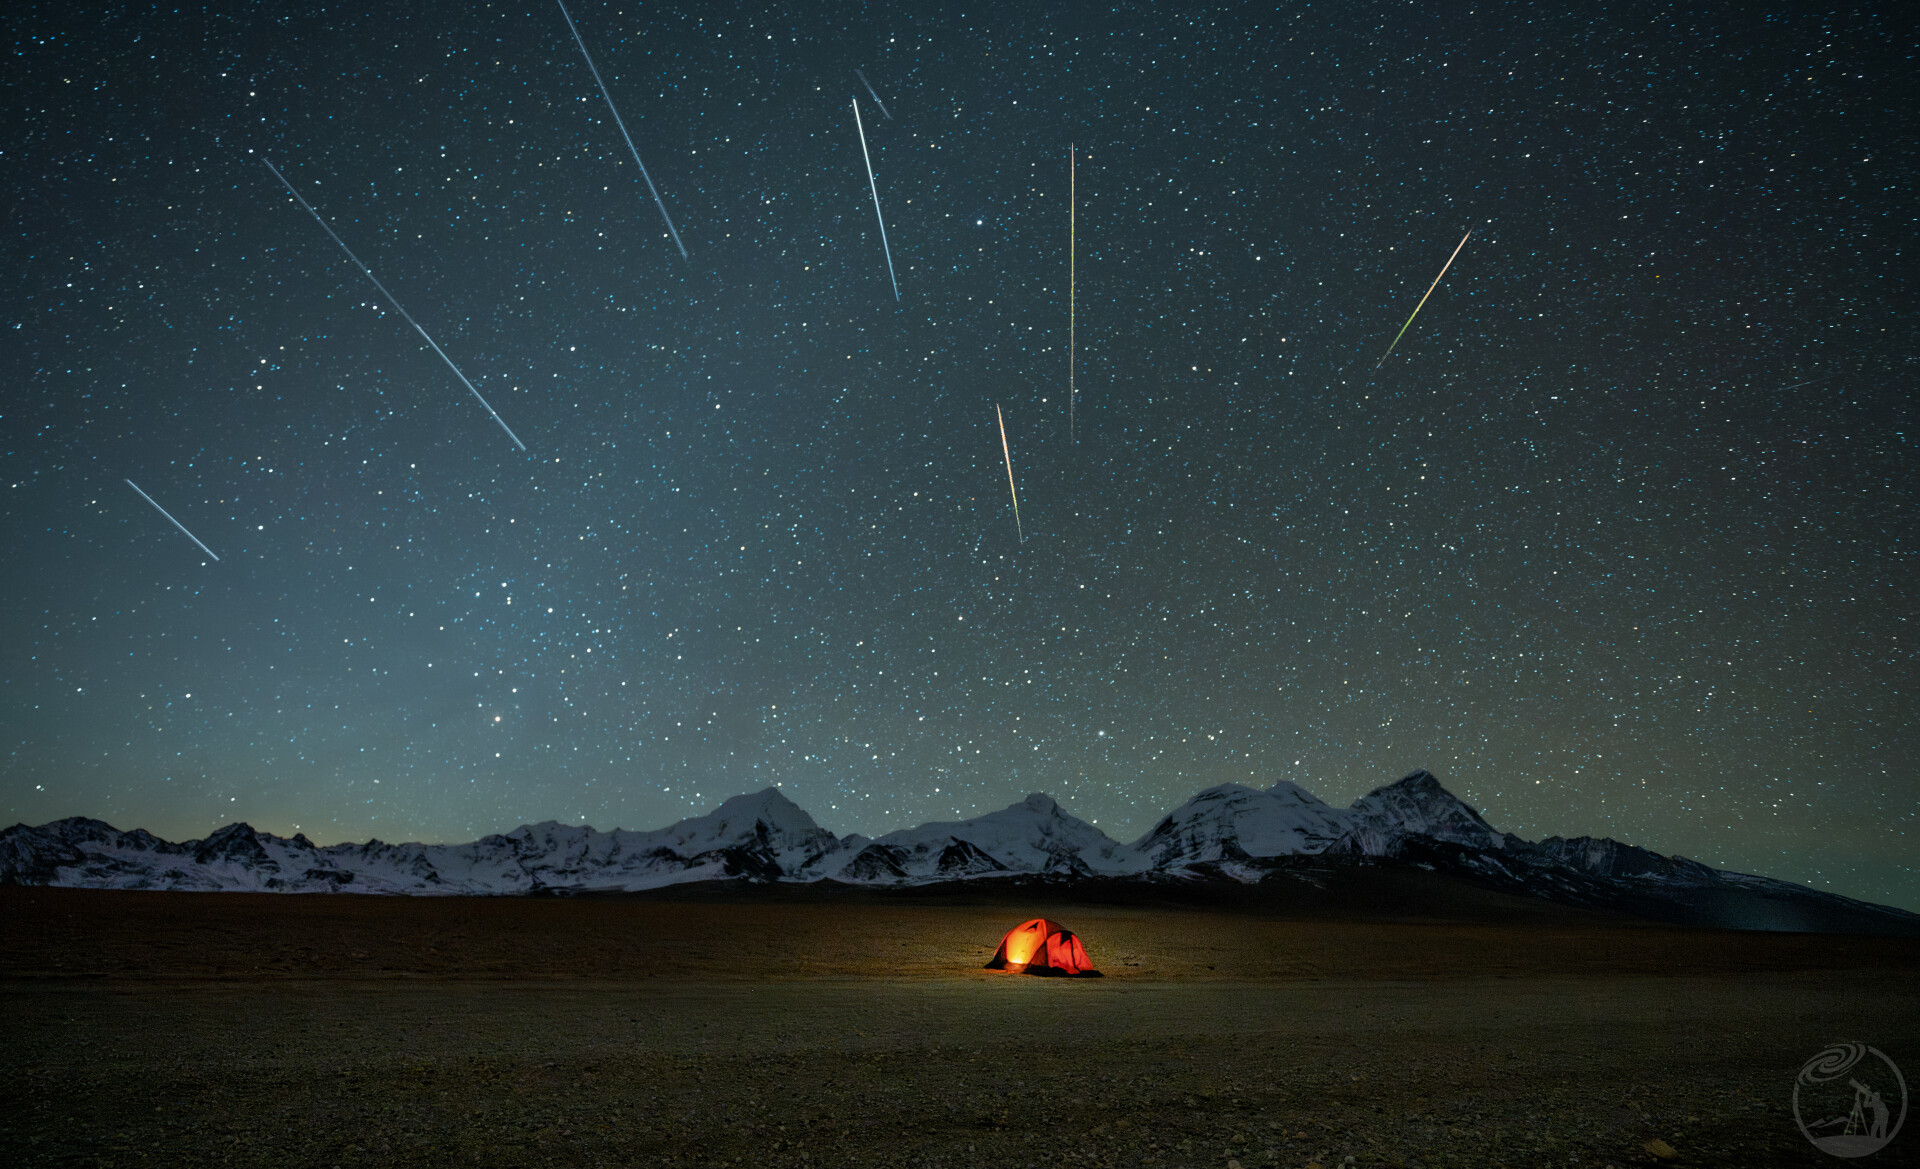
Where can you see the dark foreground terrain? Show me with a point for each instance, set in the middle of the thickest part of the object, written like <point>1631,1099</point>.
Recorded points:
<point>716,1029</point>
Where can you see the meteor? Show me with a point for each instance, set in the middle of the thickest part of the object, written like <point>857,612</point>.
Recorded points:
<point>1423,301</point>
<point>876,197</point>
<point>658,201</point>
<point>1010,487</point>
<point>171,520</point>
<point>396,308</point>
<point>1073,212</point>
<point>871,94</point>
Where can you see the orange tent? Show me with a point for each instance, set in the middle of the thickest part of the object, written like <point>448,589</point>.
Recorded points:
<point>1042,947</point>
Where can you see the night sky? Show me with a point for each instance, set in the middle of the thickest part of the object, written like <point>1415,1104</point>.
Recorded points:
<point>1620,540</point>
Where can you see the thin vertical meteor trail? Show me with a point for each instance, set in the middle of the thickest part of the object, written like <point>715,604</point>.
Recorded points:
<point>1423,300</point>
<point>876,198</point>
<point>661,203</point>
<point>396,306</point>
<point>176,523</point>
<point>1010,487</point>
<point>873,95</point>
<point>1073,213</point>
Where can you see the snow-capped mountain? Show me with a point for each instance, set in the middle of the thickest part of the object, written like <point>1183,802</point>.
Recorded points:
<point>1419,806</point>
<point>763,836</point>
<point>1226,828</point>
<point>1230,824</point>
<point>1033,836</point>
<point>1225,833</point>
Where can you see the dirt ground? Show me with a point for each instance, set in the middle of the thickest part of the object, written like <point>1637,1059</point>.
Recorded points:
<point>184,1029</point>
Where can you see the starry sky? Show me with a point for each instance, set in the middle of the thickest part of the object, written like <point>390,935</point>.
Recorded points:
<point>1619,541</point>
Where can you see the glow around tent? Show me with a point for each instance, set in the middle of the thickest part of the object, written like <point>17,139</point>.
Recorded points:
<point>1042,947</point>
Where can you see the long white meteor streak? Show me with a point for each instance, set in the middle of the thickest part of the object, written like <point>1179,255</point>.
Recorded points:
<point>1010,487</point>
<point>873,95</point>
<point>176,523</point>
<point>396,305</point>
<point>1423,300</point>
<point>658,201</point>
<point>876,198</point>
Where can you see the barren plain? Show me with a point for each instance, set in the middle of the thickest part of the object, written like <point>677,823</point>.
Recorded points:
<point>722,1028</point>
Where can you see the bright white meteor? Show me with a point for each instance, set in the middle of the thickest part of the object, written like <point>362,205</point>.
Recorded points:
<point>176,523</point>
<point>1014,491</point>
<point>658,201</point>
<point>876,198</point>
<point>396,308</point>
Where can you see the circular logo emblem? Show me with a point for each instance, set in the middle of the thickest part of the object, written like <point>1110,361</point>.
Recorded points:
<point>1850,1100</point>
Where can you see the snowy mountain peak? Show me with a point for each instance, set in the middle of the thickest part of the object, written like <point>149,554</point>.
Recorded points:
<point>1419,806</point>
<point>1420,785</point>
<point>764,817</point>
<point>1035,835</point>
<point>771,807</point>
<point>544,830</point>
<point>77,829</point>
<point>1292,793</point>
<point>1223,791</point>
<point>235,844</point>
<point>1231,823</point>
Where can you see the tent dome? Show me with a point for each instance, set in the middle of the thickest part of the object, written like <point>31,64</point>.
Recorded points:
<point>1042,947</point>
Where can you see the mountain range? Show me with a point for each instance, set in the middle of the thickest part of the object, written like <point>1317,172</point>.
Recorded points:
<point>1229,834</point>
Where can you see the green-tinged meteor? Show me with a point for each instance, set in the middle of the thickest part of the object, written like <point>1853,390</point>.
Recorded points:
<point>1423,300</point>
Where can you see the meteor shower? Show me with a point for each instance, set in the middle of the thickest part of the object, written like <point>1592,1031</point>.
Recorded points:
<point>1122,585</point>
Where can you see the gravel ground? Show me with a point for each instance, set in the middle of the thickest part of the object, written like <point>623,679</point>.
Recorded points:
<point>1015,1071</point>
<point>949,1067</point>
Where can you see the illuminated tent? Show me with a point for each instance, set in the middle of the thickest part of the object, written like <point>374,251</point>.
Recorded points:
<point>1042,947</point>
